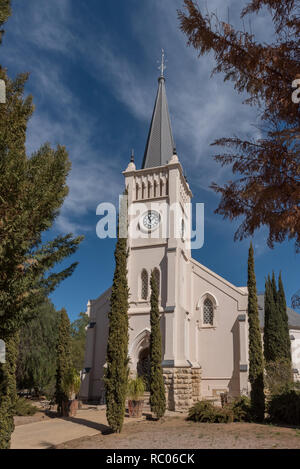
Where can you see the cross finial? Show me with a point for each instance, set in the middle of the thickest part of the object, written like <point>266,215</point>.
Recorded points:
<point>162,66</point>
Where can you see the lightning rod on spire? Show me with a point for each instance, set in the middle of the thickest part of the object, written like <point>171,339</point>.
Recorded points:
<point>162,66</point>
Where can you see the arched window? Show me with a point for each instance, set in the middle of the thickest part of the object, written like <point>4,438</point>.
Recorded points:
<point>155,189</point>
<point>143,190</point>
<point>161,185</point>
<point>144,284</point>
<point>157,278</point>
<point>149,189</point>
<point>208,312</point>
<point>137,192</point>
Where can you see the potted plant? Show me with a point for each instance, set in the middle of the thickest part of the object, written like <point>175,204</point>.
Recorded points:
<point>135,394</point>
<point>72,387</point>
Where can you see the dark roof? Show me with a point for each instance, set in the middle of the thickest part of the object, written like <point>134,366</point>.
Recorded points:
<point>293,316</point>
<point>160,145</point>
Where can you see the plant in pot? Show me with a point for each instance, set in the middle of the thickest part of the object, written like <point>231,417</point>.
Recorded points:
<point>72,387</point>
<point>135,394</point>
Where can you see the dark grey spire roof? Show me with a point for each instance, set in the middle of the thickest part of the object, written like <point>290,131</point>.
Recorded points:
<point>160,144</point>
<point>293,316</point>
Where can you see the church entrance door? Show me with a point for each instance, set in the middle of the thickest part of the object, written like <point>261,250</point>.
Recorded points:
<point>143,366</point>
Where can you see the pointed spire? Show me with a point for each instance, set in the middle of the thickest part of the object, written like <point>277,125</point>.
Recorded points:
<point>160,143</point>
<point>132,156</point>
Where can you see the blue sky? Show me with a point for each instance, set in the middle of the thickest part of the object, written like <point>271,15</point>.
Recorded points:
<point>93,75</point>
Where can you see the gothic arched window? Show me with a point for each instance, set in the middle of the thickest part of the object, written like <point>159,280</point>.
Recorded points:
<point>157,278</point>
<point>144,284</point>
<point>208,312</point>
<point>161,185</point>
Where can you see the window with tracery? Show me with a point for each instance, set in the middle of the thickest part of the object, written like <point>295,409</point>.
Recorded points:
<point>208,312</point>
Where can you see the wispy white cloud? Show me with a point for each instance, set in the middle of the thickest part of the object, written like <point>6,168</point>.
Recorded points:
<point>202,108</point>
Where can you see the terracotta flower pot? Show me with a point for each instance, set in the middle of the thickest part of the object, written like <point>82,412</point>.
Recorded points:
<point>73,407</point>
<point>135,408</point>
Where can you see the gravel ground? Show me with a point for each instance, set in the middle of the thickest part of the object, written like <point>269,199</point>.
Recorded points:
<point>177,433</point>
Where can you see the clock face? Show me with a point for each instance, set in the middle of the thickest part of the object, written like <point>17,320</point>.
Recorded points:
<point>150,220</point>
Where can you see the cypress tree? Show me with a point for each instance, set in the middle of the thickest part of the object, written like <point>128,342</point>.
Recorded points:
<point>157,388</point>
<point>281,302</point>
<point>277,346</point>
<point>276,342</point>
<point>267,308</point>
<point>63,351</point>
<point>116,376</point>
<point>256,367</point>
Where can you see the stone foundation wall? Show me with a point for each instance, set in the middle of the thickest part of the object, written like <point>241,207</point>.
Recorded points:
<point>183,387</point>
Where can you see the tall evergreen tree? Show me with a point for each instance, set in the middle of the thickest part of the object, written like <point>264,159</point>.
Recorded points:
<point>63,353</point>
<point>267,309</point>
<point>256,366</point>
<point>157,388</point>
<point>272,342</point>
<point>277,346</point>
<point>116,375</point>
<point>286,351</point>
<point>36,366</point>
<point>276,333</point>
<point>32,190</point>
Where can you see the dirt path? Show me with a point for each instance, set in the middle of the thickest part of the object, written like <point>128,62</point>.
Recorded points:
<point>53,431</point>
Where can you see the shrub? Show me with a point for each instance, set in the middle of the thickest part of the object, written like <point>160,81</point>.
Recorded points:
<point>241,409</point>
<point>202,411</point>
<point>24,407</point>
<point>205,411</point>
<point>135,389</point>
<point>285,408</point>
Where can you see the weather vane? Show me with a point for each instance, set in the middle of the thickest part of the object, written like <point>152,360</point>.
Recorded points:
<point>162,66</point>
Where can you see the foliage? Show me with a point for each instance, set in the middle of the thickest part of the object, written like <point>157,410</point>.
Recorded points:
<point>157,388</point>
<point>256,365</point>
<point>205,411</point>
<point>24,407</point>
<point>5,12</point>
<point>285,408</point>
<point>32,190</point>
<point>136,388</point>
<point>78,333</point>
<point>8,393</point>
<point>286,341</point>
<point>278,376</point>
<point>277,344</point>
<point>116,375</point>
<point>241,408</point>
<point>268,189</point>
<point>63,357</point>
<point>36,365</point>
<point>71,383</point>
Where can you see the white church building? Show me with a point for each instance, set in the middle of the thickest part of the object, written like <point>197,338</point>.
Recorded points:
<point>204,322</point>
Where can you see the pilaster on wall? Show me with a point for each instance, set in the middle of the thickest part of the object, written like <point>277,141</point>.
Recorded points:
<point>182,387</point>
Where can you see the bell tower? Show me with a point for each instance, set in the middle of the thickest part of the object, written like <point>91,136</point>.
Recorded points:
<point>159,220</point>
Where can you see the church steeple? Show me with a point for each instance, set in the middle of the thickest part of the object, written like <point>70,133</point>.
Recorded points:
<point>160,143</point>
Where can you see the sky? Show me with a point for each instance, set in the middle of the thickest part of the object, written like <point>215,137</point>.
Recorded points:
<point>93,74</point>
